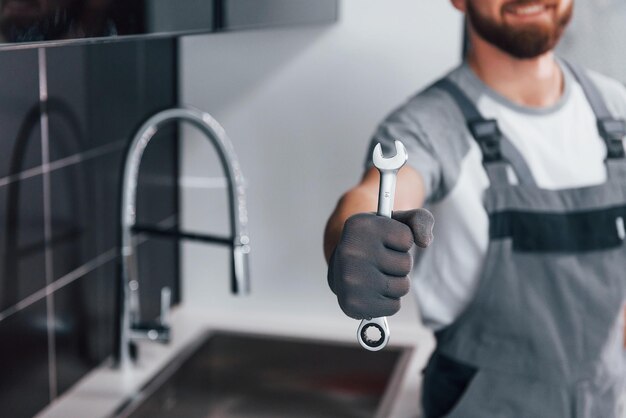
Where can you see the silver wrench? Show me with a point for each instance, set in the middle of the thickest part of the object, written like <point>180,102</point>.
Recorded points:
<point>388,168</point>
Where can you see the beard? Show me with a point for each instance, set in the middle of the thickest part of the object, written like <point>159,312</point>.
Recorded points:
<point>523,42</point>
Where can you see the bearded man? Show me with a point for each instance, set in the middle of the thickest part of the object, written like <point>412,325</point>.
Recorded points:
<point>519,155</point>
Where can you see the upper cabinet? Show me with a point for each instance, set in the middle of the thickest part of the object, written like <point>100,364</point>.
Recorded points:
<point>60,21</point>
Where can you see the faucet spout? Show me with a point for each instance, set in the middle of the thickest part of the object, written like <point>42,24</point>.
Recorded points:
<point>239,240</point>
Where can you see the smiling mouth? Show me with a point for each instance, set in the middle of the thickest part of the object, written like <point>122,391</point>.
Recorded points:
<point>527,9</point>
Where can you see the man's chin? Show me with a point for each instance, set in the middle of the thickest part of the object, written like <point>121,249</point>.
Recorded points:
<point>522,37</point>
<point>525,54</point>
<point>522,41</point>
<point>529,43</point>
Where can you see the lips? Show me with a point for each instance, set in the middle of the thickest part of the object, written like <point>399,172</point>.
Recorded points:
<point>526,8</point>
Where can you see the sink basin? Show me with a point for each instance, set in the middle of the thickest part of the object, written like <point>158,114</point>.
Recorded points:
<point>239,375</point>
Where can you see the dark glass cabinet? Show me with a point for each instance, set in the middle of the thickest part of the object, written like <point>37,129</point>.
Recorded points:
<point>60,21</point>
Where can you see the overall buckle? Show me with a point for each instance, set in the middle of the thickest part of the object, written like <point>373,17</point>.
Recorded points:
<point>613,132</point>
<point>488,135</point>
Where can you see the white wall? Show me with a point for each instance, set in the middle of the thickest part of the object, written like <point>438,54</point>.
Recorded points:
<point>300,105</point>
<point>595,37</point>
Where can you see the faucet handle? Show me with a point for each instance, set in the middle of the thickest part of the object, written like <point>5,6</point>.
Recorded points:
<point>158,330</point>
<point>240,278</point>
<point>166,305</point>
<point>133,301</point>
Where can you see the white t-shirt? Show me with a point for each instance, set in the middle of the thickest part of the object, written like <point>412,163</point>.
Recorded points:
<point>560,144</point>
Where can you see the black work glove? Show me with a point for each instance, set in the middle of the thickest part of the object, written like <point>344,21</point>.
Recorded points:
<point>368,271</point>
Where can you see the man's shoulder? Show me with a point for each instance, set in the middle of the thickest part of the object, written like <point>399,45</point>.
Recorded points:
<point>430,106</point>
<point>433,130</point>
<point>612,90</point>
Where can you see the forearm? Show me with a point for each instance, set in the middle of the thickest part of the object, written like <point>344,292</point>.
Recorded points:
<point>357,200</point>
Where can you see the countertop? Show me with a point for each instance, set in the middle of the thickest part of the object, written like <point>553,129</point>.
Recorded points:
<point>101,392</point>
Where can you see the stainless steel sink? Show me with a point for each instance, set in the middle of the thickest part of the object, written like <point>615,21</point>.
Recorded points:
<point>236,375</point>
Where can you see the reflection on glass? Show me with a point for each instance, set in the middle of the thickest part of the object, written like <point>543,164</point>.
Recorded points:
<point>47,20</point>
<point>42,20</point>
<point>22,241</point>
<point>55,20</point>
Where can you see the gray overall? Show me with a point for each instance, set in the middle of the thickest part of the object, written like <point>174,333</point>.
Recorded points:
<point>542,337</point>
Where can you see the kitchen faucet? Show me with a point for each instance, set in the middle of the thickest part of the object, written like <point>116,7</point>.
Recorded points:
<point>130,328</point>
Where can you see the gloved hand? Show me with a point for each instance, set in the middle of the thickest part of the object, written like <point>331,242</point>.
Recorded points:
<point>368,271</point>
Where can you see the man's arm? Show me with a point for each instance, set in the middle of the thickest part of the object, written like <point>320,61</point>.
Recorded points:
<point>364,198</point>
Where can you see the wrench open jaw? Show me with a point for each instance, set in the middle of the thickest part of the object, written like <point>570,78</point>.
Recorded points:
<point>392,163</point>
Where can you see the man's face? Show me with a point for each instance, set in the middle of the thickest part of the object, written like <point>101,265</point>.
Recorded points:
<point>521,28</point>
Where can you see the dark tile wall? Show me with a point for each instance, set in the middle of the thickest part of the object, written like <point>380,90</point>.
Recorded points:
<point>24,387</point>
<point>22,250</point>
<point>84,324</point>
<point>60,169</point>
<point>19,92</point>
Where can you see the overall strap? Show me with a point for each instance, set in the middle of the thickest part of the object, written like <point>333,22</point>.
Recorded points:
<point>611,129</point>
<point>498,152</point>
